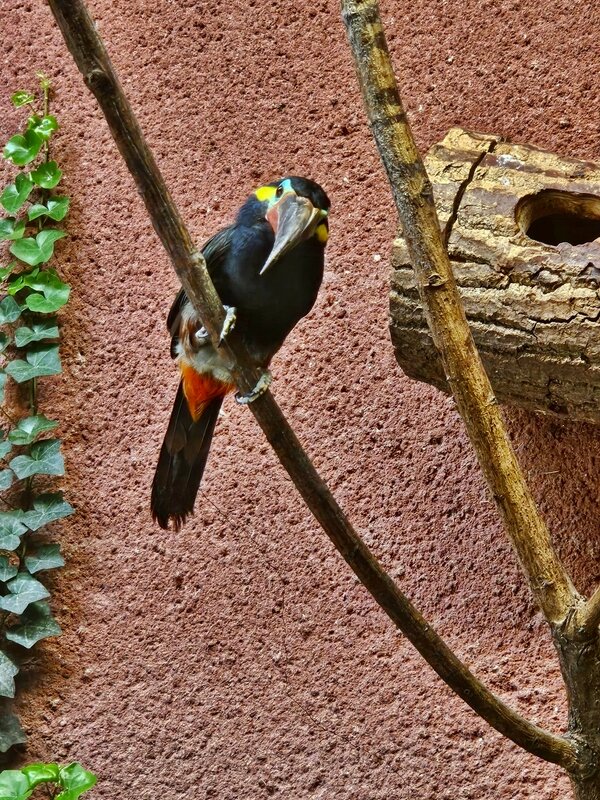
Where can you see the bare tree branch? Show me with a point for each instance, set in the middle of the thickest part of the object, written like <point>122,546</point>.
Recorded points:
<point>91,58</point>
<point>470,386</point>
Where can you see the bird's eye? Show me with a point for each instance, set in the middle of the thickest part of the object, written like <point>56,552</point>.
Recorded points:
<point>279,191</point>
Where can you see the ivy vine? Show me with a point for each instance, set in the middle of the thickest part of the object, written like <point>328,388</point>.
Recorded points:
<point>32,293</point>
<point>52,782</point>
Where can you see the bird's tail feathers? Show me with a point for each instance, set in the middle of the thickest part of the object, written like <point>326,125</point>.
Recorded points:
<point>183,455</point>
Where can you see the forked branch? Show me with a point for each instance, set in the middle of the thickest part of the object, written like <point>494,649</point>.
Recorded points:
<point>470,386</point>
<point>92,60</point>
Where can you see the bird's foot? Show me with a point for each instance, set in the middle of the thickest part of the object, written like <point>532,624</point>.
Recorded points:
<point>202,337</point>
<point>261,387</point>
<point>228,323</point>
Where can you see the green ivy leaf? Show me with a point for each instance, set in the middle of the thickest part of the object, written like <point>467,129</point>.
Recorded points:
<point>44,305</point>
<point>36,623</point>
<point>5,448</point>
<point>22,149</point>
<point>44,458</point>
<point>24,589</point>
<point>46,508</point>
<point>15,194</point>
<point>11,733</point>
<point>46,556</point>
<point>36,251</point>
<point>41,360</point>
<point>11,229</point>
<point>21,98</point>
<point>29,428</point>
<point>16,284</point>
<point>10,311</point>
<point>44,126</point>
<point>75,780</point>
<point>6,478</point>
<point>13,784</point>
<point>7,570</point>
<point>56,208</point>
<point>44,329</point>
<point>41,773</point>
<point>5,271</point>
<point>3,377</point>
<point>11,529</point>
<point>4,341</point>
<point>47,175</point>
<point>8,670</point>
<point>55,292</point>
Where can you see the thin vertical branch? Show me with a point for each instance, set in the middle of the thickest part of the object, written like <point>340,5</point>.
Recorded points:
<point>470,386</point>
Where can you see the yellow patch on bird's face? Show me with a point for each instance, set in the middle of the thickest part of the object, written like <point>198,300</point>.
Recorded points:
<point>265,193</point>
<point>322,233</point>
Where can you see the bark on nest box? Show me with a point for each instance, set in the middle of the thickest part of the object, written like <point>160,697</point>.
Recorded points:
<point>523,233</point>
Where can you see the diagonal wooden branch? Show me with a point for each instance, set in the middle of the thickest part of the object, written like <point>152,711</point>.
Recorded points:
<point>470,386</point>
<point>91,58</point>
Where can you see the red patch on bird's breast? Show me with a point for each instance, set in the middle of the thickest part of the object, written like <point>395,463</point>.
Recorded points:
<point>200,388</point>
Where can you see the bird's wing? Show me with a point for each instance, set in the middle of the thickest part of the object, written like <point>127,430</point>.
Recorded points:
<point>215,252</point>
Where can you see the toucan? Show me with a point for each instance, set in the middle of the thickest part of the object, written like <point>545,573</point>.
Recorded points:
<point>267,269</point>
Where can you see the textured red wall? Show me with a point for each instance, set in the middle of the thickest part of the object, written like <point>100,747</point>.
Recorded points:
<point>240,658</point>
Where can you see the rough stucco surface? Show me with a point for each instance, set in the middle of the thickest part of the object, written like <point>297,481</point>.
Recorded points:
<point>240,658</point>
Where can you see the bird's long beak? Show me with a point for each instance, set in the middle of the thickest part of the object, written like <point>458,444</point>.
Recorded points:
<point>293,218</point>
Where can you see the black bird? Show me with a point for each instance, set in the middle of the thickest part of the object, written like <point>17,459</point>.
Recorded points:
<point>267,268</point>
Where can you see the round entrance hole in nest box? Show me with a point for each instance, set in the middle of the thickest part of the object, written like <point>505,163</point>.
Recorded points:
<point>553,217</point>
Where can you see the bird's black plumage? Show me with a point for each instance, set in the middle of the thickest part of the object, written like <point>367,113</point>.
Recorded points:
<point>268,306</point>
<point>182,459</point>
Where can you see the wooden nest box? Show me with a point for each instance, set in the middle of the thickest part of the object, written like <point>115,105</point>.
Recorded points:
<point>523,233</point>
